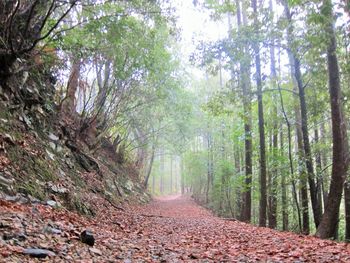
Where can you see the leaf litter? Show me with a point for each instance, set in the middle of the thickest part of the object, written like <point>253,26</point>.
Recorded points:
<point>172,229</point>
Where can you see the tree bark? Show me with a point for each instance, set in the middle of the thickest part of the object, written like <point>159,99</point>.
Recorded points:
<point>327,227</point>
<point>69,102</point>
<point>272,211</point>
<point>284,188</point>
<point>150,165</point>
<point>291,166</point>
<point>316,206</point>
<point>263,173</point>
<point>297,82</point>
<point>247,109</point>
<point>347,209</point>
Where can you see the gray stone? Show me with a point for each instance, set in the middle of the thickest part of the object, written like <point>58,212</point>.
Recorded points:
<point>52,230</point>
<point>95,251</point>
<point>51,155</point>
<point>53,203</point>
<point>59,148</point>
<point>129,185</point>
<point>52,145</point>
<point>53,137</point>
<point>59,189</point>
<point>38,253</point>
<point>6,181</point>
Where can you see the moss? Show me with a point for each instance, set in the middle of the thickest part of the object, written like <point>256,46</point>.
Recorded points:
<point>4,114</point>
<point>45,169</point>
<point>74,202</point>
<point>33,189</point>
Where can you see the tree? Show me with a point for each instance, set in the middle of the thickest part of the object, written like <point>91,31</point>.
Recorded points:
<point>263,195</point>
<point>328,225</point>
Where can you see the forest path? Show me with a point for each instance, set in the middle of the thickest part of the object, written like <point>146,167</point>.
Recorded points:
<point>169,229</point>
<point>184,231</point>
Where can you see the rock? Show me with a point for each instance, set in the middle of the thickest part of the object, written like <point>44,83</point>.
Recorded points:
<point>53,137</point>
<point>38,253</point>
<point>6,181</point>
<point>87,237</point>
<point>27,121</point>
<point>52,145</point>
<point>19,236</point>
<point>59,148</point>
<point>52,230</point>
<point>59,189</point>
<point>33,200</point>
<point>8,236</point>
<point>53,203</point>
<point>95,251</point>
<point>61,173</point>
<point>11,198</point>
<point>4,225</point>
<point>9,139</point>
<point>51,155</point>
<point>19,198</point>
<point>129,185</point>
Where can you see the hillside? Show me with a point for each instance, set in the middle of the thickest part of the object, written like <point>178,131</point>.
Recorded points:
<point>42,162</point>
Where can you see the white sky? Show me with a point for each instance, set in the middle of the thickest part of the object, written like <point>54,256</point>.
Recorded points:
<point>196,25</point>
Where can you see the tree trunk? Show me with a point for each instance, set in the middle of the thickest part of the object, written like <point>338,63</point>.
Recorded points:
<point>182,176</point>
<point>263,195</point>
<point>291,166</point>
<point>162,170</point>
<point>297,82</point>
<point>150,165</point>
<point>69,103</point>
<point>327,227</point>
<point>272,212</point>
<point>171,174</point>
<point>284,189</point>
<point>208,167</point>
<point>318,167</point>
<point>325,175</point>
<point>316,206</point>
<point>247,109</point>
<point>347,209</point>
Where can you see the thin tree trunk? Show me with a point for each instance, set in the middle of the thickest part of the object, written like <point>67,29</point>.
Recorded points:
<point>150,165</point>
<point>162,170</point>
<point>290,157</point>
<point>329,222</point>
<point>272,212</point>
<point>304,126</point>
<point>171,174</point>
<point>208,168</point>
<point>182,176</point>
<point>284,189</point>
<point>318,168</point>
<point>247,109</point>
<point>316,207</point>
<point>347,209</point>
<point>296,77</point>
<point>263,195</point>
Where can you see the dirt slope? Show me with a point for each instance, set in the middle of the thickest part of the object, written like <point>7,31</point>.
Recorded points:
<point>172,229</point>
